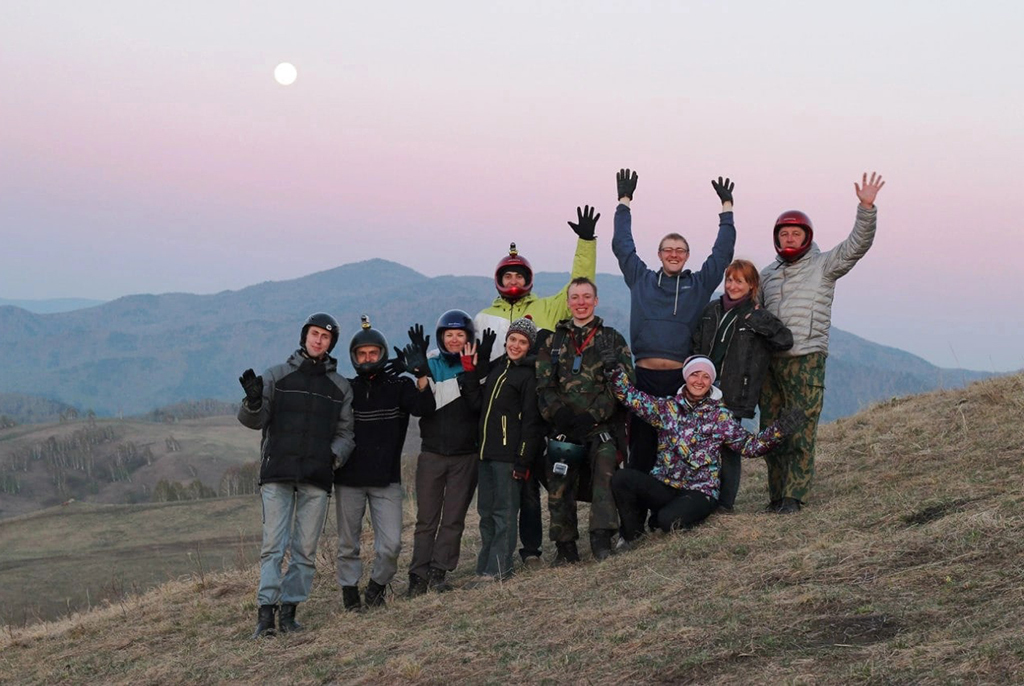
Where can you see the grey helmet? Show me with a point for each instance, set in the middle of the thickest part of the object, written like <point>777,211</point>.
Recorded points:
<point>324,321</point>
<point>367,335</point>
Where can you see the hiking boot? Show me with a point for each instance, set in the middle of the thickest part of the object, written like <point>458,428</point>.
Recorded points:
<point>265,621</point>
<point>286,620</point>
<point>436,582</point>
<point>417,585</point>
<point>773,506</point>
<point>375,594</point>
<point>350,598</point>
<point>789,506</point>
<point>566,554</point>
<point>601,544</point>
<point>724,509</point>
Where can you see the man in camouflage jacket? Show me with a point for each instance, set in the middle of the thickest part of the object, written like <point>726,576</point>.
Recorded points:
<point>576,399</point>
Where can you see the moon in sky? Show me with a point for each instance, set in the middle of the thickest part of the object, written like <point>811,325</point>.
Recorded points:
<point>285,73</point>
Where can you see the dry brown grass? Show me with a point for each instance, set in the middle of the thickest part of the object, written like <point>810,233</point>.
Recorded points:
<point>908,567</point>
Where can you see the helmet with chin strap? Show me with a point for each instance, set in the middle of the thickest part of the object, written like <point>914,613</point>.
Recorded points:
<point>513,262</point>
<point>367,335</point>
<point>325,322</point>
<point>794,218</point>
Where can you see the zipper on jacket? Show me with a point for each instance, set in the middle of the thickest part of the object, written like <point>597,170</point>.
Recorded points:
<point>494,394</point>
<point>504,430</point>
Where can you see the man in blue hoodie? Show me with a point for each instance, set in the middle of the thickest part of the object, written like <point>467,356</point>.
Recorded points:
<point>665,305</point>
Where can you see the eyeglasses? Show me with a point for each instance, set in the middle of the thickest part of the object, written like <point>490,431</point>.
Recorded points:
<point>675,251</point>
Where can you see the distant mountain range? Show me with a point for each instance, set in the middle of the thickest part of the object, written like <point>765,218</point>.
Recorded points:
<point>141,352</point>
<point>52,305</point>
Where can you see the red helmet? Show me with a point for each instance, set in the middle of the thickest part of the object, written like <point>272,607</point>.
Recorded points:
<point>794,218</point>
<point>518,263</point>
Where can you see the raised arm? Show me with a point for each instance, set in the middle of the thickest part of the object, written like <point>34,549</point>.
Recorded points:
<point>622,238</point>
<point>841,259</point>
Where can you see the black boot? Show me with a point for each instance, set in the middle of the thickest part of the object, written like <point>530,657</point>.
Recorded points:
<point>566,554</point>
<point>601,544</point>
<point>286,620</point>
<point>417,585</point>
<point>350,598</point>
<point>436,582</point>
<point>265,621</point>
<point>789,506</point>
<point>375,594</point>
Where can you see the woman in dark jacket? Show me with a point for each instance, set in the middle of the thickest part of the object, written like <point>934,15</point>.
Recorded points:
<point>511,433</point>
<point>739,337</point>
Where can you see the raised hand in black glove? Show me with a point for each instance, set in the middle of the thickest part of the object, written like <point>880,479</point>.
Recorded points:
<point>419,342</point>
<point>791,419</point>
<point>723,188</point>
<point>586,222</point>
<point>416,361</point>
<point>253,386</point>
<point>609,355</point>
<point>396,365</point>
<point>626,183</point>
<point>484,350</point>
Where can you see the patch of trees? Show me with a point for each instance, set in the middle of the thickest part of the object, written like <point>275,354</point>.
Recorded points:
<point>192,409</point>
<point>240,479</point>
<point>31,409</point>
<point>173,491</point>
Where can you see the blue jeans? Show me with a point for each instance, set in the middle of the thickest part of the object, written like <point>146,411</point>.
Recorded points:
<point>293,517</point>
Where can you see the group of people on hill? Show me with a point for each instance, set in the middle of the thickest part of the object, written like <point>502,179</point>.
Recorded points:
<point>649,433</point>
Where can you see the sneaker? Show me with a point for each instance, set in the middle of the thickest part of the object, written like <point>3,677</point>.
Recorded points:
<point>533,562</point>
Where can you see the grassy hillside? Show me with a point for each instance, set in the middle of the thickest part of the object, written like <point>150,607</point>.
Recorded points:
<point>906,568</point>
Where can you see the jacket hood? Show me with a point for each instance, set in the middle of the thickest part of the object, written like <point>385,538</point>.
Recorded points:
<point>298,357</point>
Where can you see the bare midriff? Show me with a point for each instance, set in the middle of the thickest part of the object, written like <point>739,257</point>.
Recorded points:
<point>658,363</point>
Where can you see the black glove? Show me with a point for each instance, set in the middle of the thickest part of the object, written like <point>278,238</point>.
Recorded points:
<point>396,365</point>
<point>562,422</point>
<point>520,472</point>
<point>724,189</point>
<point>791,419</point>
<point>626,183</point>
<point>485,348</point>
<point>416,361</point>
<point>418,341</point>
<point>587,222</point>
<point>253,386</point>
<point>581,425</point>
<point>609,355</point>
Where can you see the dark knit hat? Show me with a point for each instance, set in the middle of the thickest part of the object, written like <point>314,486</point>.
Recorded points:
<point>526,327</point>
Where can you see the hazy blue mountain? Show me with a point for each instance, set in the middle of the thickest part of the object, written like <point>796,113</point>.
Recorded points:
<point>141,352</point>
<point>52,305</point>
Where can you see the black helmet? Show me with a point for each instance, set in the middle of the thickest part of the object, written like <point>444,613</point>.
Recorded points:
<point>324,321</point>
<point>454,319</point>
<point>367,335</point>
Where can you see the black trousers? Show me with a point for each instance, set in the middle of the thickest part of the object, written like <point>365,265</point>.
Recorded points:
<point>636,492</point>
<point>643,438</point>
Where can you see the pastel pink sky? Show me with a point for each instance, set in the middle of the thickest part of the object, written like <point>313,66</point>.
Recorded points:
<point>147,149</point>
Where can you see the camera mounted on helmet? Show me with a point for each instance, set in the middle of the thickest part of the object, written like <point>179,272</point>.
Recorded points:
<point>514,262</point>
<point>368,336</point>
<point>800,220</point>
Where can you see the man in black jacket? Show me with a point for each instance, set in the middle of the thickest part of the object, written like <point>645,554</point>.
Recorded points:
<point>304,409</point>
<point>382,403</point>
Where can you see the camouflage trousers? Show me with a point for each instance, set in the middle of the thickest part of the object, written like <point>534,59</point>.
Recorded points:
<point>562,494</point>
<point>793,382</point>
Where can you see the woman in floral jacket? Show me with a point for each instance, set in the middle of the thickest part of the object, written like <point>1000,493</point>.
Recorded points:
<point>682,487</point>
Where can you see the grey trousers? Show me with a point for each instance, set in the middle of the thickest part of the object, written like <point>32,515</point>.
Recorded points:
<point>444,489</point>
<point>385,518</point>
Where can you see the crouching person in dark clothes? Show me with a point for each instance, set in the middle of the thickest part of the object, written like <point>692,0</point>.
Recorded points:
<point>682,487</point>
<point>382,403</point>
<point>304,408</point>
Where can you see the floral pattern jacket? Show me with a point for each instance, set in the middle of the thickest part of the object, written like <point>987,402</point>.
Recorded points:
<point>691,436</point>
